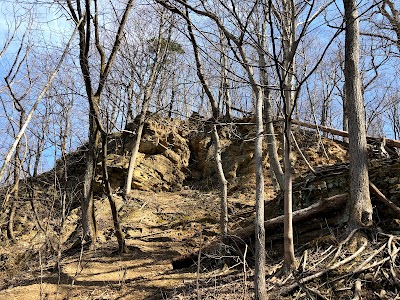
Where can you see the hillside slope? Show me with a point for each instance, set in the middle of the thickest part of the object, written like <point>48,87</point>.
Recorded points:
<point>173,212</point>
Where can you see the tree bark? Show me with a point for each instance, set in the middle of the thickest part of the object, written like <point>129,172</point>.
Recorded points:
<point>360,208</point>
<point>260,257</point>
<point>89,225</point>
<point>345,117</point>
<point>223,183</point>
<point>114,211</point>
<point>17,174</point>
<point>11,218</point>
<point>287,89</point>
<point>224,93</point>
<point>269,125</point>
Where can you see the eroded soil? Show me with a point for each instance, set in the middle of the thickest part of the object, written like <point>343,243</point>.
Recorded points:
<point>159,227</point>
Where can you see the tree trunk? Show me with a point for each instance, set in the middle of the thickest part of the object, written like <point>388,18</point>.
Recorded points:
<point>290,260</point>
<point>11,218</point>
<point>389,142</point>
<point>17,174</point>
<point>324,114</point>
<point>114,211</point>
<point>287,90</point>
<point>269,126</point>
<point>223,183</point>
<point>173,94</point>
<point>15,190</point>
<point>224,89</point>
<point>360,208</point>
<point>148,90</point>
<point>345,116</point>
<point>215,137</point>
<point>259,280</point>
<point>135,149</point>
<point>88,213</point>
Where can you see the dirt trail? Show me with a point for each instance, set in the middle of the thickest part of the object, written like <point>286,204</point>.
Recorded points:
<point>159,228</point>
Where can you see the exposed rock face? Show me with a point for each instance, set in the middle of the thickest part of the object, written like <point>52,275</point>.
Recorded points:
<point>237,143</point>
<point>163,155</point>
<point>174,151</point>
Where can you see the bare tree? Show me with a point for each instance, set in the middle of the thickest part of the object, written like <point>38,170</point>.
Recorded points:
<point>34,107</point>
<point>276,169</point>
<point>224,94</point>
<point>389,10</point>
<point>18,95</point>
<point>214,132</point>
<point>286,14</point>
<point>360,208</point>
<point>84,10</point>
<point>393,114</point>
<point>160,49</point>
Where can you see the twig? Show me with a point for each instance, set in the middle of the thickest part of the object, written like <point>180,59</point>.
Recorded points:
<point>198,267</point>
<point>343,243</point>
<point>320,273</point>
<point>41,276</point>
<point>245,273</point>
<point>324,256</point>
<point>305,257</point>
<point>79,269</point>
<point>378,263</point>
<point>123,279</point>
<point>315,292</point>
<point>375,253</point>
<point>365,267</point>
<point>393,255</point>
<point>302,154</point>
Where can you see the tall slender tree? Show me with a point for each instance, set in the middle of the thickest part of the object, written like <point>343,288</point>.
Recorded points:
<point>359,207</point>
<point>89,37</point>
<point>159,47</point>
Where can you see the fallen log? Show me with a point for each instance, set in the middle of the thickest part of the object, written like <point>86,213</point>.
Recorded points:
<point>381,197</point>
<point>243,236</point>
<point>389,142</point>
<point>319,208</point>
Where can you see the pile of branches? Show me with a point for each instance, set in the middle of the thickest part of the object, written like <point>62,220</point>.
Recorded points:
<point>355,269</point>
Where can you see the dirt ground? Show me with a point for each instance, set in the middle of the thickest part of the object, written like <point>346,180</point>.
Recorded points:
<point>159,227</point>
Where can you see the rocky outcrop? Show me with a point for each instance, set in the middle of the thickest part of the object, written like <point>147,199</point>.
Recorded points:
<point>163,155</point>
<point>237,143</point>
<point>175,152</point>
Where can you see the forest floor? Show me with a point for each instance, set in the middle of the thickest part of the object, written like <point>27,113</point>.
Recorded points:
<point>159,228</point>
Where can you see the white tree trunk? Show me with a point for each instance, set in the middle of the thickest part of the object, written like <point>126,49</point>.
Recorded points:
<point>259,277</point>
